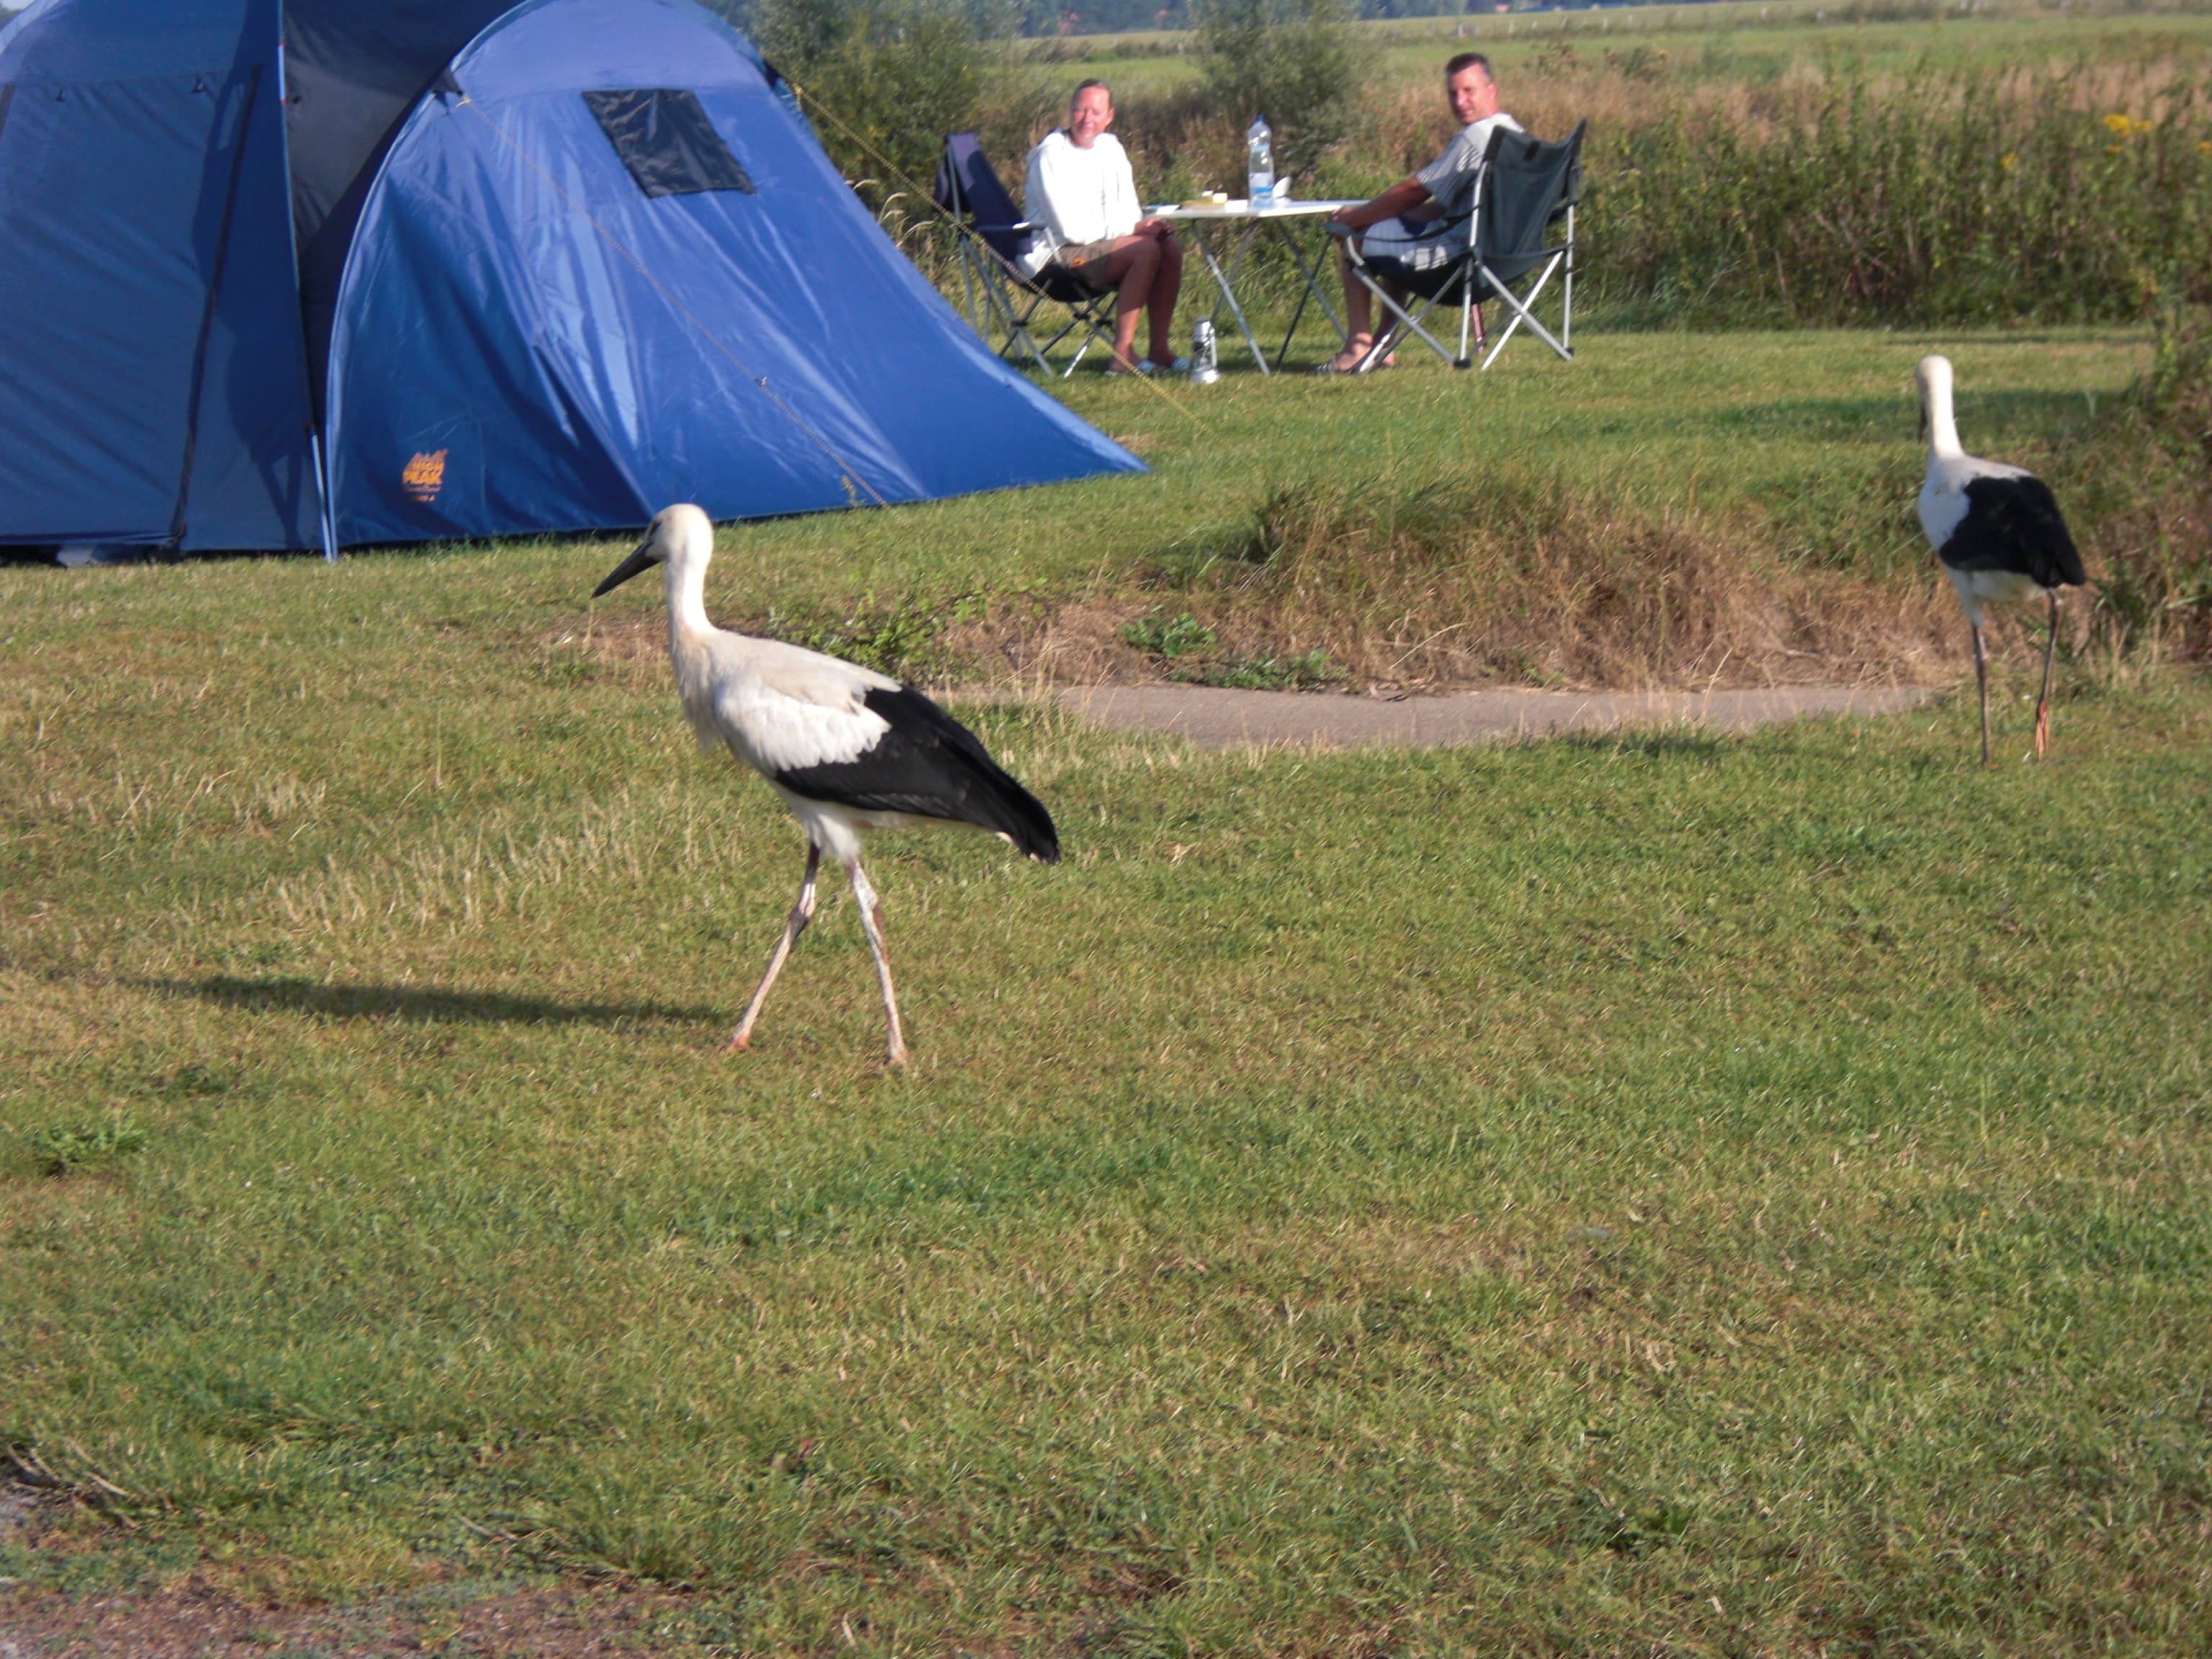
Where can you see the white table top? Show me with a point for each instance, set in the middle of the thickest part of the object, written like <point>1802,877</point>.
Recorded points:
<point>1295,209</point>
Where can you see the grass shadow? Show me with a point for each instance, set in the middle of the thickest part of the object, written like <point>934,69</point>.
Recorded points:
<point>1655,743</point>
<point>429,1005</point>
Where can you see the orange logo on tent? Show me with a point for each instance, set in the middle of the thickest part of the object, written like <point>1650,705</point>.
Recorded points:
<point>425,476</point>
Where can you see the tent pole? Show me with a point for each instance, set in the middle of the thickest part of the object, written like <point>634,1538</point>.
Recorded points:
<point>323,490</point>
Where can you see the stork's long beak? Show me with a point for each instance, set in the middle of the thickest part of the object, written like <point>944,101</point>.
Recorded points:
<point>639,560</point>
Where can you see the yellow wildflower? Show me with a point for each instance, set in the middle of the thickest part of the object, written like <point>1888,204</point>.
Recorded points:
<point>2008,162</point>
<point>2118,126</point>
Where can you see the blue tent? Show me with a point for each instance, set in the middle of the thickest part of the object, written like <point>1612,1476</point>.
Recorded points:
<point>329,272</point>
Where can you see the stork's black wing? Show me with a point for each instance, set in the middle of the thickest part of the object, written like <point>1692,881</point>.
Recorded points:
<point>2014,524</point>
<point>930,765</point>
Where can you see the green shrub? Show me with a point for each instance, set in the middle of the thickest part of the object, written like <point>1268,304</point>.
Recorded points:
<point>1299,63</point>
<point>883,80</point>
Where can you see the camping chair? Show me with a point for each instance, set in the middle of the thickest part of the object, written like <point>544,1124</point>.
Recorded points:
<point>993,238</point>
<point>1525,187</point>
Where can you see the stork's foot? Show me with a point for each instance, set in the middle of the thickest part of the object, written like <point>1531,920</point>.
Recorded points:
<point>2042,726</point>
<point>895,1056</point>
<point>740,1042</point>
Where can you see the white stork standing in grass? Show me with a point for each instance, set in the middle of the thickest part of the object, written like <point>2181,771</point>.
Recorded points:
<point>847,748</point>
<point>1997,531</point>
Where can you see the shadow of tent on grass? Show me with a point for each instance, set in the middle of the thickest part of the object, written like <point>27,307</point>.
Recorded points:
<point>428,1004</point>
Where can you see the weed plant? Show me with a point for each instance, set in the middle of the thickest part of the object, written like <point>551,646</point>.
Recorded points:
<point>59,1148</point>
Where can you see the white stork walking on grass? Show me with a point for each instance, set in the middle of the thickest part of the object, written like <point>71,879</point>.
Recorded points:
<point>847,748</point>
<point>1997,531</point>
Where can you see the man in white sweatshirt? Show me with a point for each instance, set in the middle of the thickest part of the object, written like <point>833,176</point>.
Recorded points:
<point>1083,202</point>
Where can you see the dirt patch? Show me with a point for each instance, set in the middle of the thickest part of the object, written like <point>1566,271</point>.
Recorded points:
<point>1235,720</point>
<point>556,1621</point>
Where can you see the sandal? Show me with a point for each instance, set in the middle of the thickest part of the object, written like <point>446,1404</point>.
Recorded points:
<point>1336,365</point>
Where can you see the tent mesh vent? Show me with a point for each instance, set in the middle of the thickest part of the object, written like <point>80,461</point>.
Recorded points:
<point>666,140</point>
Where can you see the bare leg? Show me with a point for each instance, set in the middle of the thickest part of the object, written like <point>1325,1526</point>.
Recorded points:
<point>2043,701</point>
<point>871,919</point>
<point>1131,267</point>
<point>794,925</point>
<point>1159,308</point>
<point>1358,307</point>
<point>1359,315</point>
<point>1982,684</point>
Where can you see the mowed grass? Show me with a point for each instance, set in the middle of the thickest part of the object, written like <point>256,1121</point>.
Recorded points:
<point>1659,1194</point>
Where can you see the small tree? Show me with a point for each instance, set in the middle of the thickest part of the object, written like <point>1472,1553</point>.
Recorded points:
<point>1299,63</point>
<point>883,80</point>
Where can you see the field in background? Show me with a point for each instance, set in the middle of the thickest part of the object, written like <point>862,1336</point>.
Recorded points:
<point>1892,164</point>
<point>1756,39</point>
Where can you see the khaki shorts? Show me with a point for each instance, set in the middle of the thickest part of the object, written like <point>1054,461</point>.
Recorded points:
<point>1086,262</point>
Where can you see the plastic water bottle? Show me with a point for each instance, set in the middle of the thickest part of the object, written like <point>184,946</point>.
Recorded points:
<point>1260,164</point>
<point>1204,370</point>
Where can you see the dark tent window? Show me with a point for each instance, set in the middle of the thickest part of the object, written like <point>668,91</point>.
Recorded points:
<point>666,142</point>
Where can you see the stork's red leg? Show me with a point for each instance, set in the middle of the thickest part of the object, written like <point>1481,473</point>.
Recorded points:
<point>1982,684</point>
<point>2043,701</point>
<point>793,925</point>
<point>871,922</point>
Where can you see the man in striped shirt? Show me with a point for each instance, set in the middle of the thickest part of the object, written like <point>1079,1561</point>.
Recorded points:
<point>1419,221</point>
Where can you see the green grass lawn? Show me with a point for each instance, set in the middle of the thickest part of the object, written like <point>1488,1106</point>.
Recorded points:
<point>1670,1194</point>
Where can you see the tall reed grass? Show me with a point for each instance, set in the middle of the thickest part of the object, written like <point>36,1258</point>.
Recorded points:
<point>1951,197</point>
<point>1832,195</point>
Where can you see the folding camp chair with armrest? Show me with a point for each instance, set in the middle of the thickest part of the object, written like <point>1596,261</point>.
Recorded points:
<point>1525,187</point>
<point>993,237</point>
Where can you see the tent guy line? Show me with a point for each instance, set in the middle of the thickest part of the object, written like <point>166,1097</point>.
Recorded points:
<point>851,474</point>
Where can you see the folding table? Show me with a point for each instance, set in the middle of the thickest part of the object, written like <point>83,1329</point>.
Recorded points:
<point>1284,217</point>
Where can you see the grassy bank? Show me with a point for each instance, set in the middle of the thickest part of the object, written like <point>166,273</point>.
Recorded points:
<point>1662,511</point>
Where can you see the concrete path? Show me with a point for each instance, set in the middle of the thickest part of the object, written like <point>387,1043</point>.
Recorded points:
<point>1214,719</point>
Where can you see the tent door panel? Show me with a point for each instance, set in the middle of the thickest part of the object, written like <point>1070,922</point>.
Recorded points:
<point>110,239</point>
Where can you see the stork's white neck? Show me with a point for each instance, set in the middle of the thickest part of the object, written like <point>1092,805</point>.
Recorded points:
<point>1942,431</point>
<point>686,579</point>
